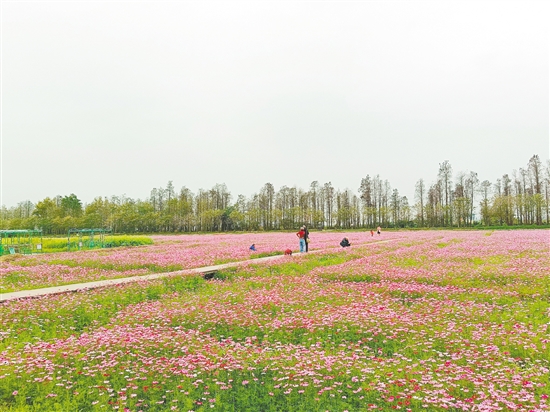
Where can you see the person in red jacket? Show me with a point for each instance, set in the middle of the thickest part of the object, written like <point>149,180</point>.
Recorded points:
<point>302,236</point>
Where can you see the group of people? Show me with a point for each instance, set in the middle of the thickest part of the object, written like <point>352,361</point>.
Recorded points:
<point>345,241</point>
<point>303,236</point>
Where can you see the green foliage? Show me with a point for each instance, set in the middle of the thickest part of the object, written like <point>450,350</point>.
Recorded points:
<point>408,262</point>
<point>367,278</point>
<point>265,254</point>
<point>60,244</point>
<point>127,240</point>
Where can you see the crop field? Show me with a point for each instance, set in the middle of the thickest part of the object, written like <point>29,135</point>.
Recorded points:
<point>167,254</point>
<point>432,320</point>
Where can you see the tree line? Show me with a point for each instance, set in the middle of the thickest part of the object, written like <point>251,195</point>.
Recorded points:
<point>451,200</point>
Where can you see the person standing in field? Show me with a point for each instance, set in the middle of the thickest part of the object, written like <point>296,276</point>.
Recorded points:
<point>302,236</point>
<point>378,230</point>
<point>306,238</point>
<point>372,232</point>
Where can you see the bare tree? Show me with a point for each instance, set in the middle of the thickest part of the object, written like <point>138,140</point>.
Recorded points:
<point>434,208</point>
<point>518,196</point>
<point>547,190</point>
<point>328,191</point>
<point>366,196</point>
<point>535,170</point>
<point>460,205</point>
<point>266,203</point>
<point>420,195</point>
<point>485,211</point>
<point>472,182</point>
<point>445,176</point>
<point>395,205</point>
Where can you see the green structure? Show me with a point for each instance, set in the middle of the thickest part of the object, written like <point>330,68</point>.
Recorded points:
<point>20,241</point>
<point>86,238</point>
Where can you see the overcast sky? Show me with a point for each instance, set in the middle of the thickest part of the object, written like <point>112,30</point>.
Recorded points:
<point>112,98</point>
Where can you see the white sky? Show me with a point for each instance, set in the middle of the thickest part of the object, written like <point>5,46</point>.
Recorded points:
<point>112,98</point>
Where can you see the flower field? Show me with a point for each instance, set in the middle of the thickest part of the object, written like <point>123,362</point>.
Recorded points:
<point>433,320</point>
<point>168,253</point>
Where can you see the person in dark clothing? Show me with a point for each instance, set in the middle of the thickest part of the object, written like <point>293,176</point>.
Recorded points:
<point>345,242</point>
<point>253,247</point>
<point>306,238</point>
<point>301,235</point>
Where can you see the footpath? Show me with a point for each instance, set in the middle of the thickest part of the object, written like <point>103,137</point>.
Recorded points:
<point>204,271</point>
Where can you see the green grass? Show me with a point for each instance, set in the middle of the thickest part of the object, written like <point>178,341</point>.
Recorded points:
<point>52,245</point>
